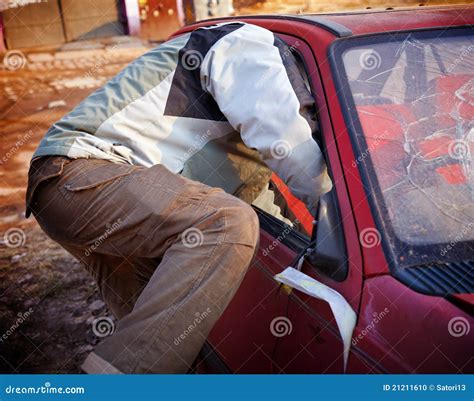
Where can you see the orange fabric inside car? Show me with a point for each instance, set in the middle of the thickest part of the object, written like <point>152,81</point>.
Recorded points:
<point>384,129</point>
<point>454,94</point>
<point>297,207</point>
<point>454,109</point>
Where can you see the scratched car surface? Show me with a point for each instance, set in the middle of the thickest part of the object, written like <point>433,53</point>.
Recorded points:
<point>395,105</point>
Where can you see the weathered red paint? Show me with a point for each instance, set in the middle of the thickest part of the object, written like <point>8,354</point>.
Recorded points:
<point>412,330</point>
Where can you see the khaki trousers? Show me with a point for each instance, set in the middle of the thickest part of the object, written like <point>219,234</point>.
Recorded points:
<point>167,253</point>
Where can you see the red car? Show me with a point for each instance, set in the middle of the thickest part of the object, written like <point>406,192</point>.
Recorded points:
<point>395,104</point>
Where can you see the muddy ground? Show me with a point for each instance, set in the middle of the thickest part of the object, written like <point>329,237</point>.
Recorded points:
<point>49,306</point>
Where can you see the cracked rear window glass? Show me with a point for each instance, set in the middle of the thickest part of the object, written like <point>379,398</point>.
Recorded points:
<point>414,102</point>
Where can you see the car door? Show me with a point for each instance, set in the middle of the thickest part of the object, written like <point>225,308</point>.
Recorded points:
<point>267,328</point>
<point>314,345</point>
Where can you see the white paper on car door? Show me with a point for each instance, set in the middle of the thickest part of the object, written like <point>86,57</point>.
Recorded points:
<point>343,312</point>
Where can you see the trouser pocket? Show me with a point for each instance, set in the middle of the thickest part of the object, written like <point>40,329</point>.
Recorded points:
<point>77,208</point>
<point>95,175</point>
<point>42,170</point>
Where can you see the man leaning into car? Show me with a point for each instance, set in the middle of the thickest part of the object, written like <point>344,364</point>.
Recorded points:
<point>120,183</point>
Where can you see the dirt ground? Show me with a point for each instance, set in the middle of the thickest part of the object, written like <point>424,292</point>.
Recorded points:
<point>49,307</point>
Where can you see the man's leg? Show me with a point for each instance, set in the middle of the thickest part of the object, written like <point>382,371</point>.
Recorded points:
<point>204,238</point>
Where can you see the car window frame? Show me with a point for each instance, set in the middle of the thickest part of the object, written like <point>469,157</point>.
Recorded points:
<point>287,235</point>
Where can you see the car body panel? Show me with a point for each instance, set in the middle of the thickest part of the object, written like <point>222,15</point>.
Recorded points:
<point>427,342</point>
<point>411,330</point>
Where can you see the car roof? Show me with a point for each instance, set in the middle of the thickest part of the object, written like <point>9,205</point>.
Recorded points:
<point>374,21</point>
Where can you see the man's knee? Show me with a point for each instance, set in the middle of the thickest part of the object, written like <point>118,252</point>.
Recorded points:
<point>241,224</point>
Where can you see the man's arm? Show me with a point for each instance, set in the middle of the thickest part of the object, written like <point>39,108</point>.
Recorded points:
<point>245,74</point>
